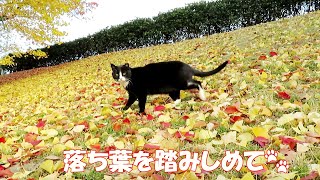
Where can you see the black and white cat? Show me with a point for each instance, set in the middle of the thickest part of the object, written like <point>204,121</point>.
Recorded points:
<point>159,78</point>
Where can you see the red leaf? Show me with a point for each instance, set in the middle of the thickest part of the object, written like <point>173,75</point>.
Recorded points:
<point>151,146</point>
<point>1,168</point>
<point>234,119</point>
<point>289,141</point>
<point>263,57</point>
<point>283,95</point>
<point>109,148</point>
<point>312,175</point>
<point>261,141</point>
<point>272,53</point>
<point>177,134</point>
<point>261,71</point>
<point>157,177</point>
<point>32,139</point>
<point>5,173</point>
<point>2,140</point>
<point>231,109</point>
<point>185,117</point>
<point>149,117</point>
<point>159,108</point>
<point>165,124</point>
<point>188,134</point>
<point>41,123</point>
<point>126,121</point>
<point>96,147</point>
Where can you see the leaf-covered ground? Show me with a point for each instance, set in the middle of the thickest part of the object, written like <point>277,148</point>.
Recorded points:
<point>266,98</point>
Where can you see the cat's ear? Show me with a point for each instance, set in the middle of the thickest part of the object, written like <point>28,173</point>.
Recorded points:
<point>114,67</point>
<point>126,64</point>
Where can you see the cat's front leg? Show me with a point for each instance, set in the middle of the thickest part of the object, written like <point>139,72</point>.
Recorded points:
<point>142,102</point>
<point>131,100</point>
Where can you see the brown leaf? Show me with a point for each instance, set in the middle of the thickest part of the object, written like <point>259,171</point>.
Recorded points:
<point>200,124</point>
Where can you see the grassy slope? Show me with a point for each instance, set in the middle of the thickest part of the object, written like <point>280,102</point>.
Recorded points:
<point>82,91</point>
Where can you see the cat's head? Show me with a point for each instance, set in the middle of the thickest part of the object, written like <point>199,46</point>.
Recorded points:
<point>121,73</point>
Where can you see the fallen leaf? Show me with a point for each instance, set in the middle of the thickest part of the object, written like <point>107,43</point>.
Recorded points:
<point>185,117</point>
<point>126,121</point>
<point>117,127</point>
<point>248,176</point>
<point>234,119</point>
<point>41,123</point>
<point>119,144</point>
<point>2,140</point>
<point>78,128</point>
<point>165,124</point>
<point>272,53</point>
<point>260,132</point>
<point>48,166</point>
<point>150,117</point>
<point>159,108</point>
<point>311,176</point>
<point>131,131</point>
<point>32,139</point>
<point>230,137</point>
<point>151,146</point>
<point>231,109</point>
<point>95,147</point>
<point>283,95</point>
<point>262,57</point>
<point>263,142</point>
<point>289,141</point>
<point>5,173</point>
<point>199,124</point>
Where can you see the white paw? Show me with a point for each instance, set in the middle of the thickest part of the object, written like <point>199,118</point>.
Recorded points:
<point>282,166</point>
<point>202,94</point>
<point>271,156</point>
<point>177,102</point>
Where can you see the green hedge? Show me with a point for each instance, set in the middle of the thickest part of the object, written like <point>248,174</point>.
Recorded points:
<point>192,21</point>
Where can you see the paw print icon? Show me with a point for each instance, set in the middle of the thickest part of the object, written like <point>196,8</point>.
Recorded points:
<point>271,156</point>
<point>282,166</point>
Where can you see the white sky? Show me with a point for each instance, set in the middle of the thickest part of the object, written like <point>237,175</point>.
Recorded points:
<point>114,12</point>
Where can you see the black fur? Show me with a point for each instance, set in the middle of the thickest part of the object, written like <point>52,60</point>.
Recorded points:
<point>158,78</point>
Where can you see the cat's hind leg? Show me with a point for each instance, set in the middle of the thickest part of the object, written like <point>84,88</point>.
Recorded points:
<point>142,102</point>
<point>175,95</point>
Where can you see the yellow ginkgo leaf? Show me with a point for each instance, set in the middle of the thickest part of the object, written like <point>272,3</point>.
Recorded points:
<point>260,132</point>
<point>230,137</point>
<point>48,166</point>
<point>119,144</point>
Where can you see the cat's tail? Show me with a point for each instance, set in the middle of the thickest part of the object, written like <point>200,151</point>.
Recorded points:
<point>209,73</point>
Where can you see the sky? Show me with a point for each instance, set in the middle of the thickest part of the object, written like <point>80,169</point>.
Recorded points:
<point>114,12</point>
